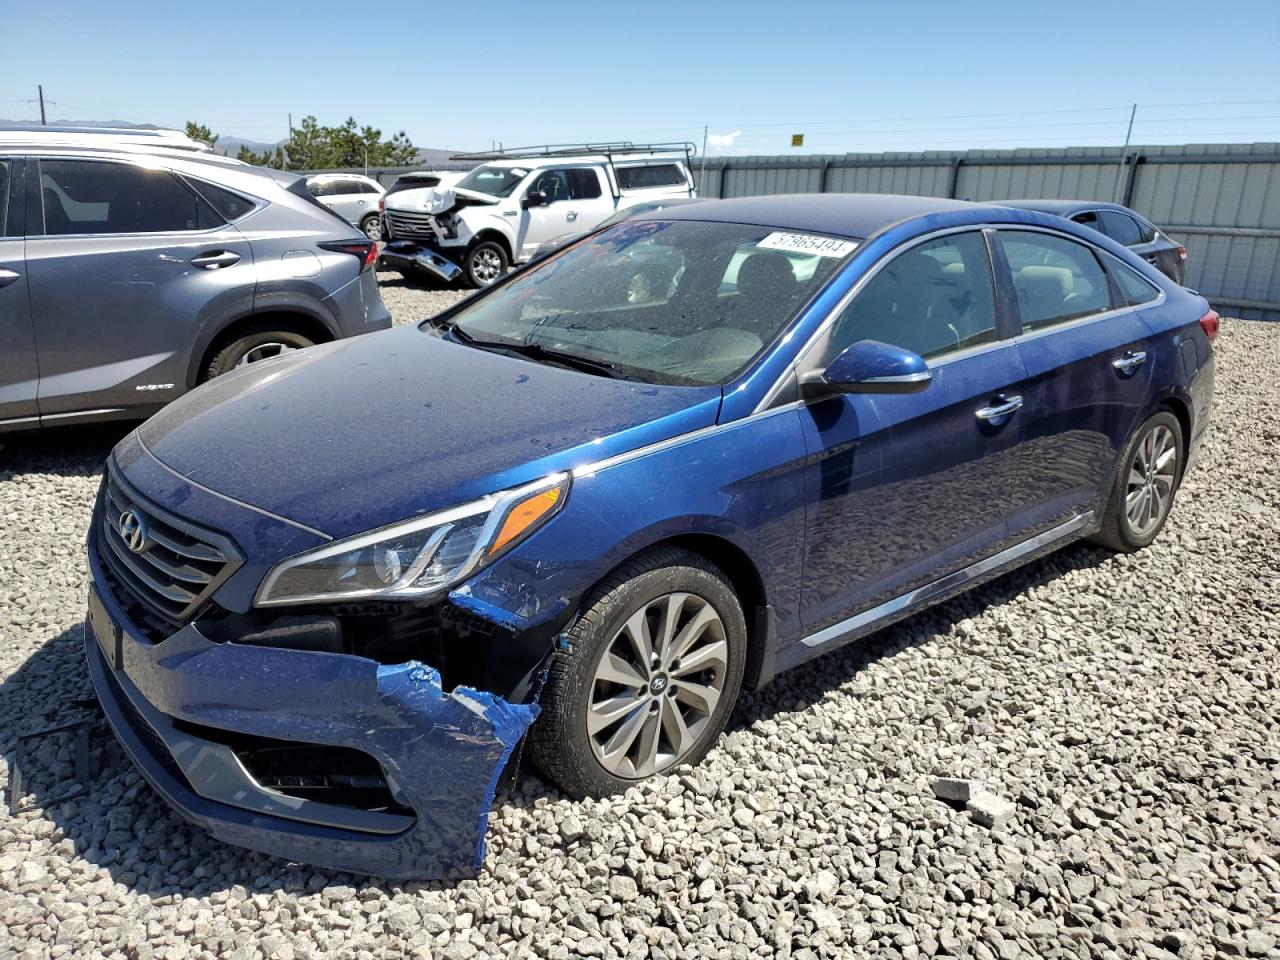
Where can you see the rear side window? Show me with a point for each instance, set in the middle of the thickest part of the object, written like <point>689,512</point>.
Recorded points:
<point>1055,279</point>
<point>1120,227</point>
<point>1088,219</point>
<point>231,206</point>
<point>933,299</point>
<point>91,196</point>
<point>1136,288</point>
<point>655,175</point>
<point>583,185</point>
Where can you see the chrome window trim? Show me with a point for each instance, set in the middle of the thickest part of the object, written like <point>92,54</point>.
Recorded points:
<point>944,584</point>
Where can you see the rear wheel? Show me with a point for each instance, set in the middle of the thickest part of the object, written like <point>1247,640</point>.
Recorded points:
<point>485,263</point>
<point>260,344</point>
<point>647,679</point>
<point>371,226</point>
<point>1146,480</point>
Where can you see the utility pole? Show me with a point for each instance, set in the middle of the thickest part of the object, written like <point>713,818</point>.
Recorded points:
<point>43,120</point>
<point>1115,196</point>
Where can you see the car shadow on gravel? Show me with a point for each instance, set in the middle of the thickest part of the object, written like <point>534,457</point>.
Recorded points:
<point>120,825</point>
<point>65,451</point>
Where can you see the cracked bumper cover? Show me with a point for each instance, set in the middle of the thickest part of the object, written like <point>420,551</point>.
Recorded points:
<point>407,255</point>
<point>441,753</point>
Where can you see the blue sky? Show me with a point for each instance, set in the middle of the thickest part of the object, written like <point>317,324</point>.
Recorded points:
<point>859,76</point>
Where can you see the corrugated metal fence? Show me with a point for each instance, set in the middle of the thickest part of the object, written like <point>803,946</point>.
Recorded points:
<point>1222,201</point>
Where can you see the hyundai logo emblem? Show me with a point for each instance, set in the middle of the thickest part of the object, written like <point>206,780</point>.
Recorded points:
<point>132,531</point>
<point>658,684</point>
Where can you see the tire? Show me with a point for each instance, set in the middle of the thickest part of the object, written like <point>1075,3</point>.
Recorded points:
<point>485,263</point>
<point>1126,526</point>
<point>259,344</point>
<point>641,592</point>
<point>371,226</point>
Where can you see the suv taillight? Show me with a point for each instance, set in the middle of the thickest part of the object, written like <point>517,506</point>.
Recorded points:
<point>1209,324</point>
<point>382,208</point>
<point>364,250</point>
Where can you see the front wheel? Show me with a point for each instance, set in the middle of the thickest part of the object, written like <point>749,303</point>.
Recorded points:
<point>1147,475</point>
<point>647,678</point>
<point>371,226</point>
<point>485,263</point>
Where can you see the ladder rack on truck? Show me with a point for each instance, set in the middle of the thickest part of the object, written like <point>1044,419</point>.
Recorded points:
<point>620,149</point>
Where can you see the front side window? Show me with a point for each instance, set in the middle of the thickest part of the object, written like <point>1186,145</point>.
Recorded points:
<point>1120,227</point>
<point>552,184</point>
<point>933,299</point>
<point>1054,279</point>
<point>678,302</point>
<point>495,181</point>
<point>91,196</point>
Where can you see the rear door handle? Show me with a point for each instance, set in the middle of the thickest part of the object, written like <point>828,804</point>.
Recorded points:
<point>1003,406</point>
<point>571,215</point>
<point>216,259</point>
<point>1130,362</point>
<point>8,276</point>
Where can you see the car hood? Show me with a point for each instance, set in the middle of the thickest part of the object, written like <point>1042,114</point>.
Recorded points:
<point>359,433</point>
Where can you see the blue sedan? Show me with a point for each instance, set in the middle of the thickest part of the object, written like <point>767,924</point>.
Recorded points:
<point>591,504</point>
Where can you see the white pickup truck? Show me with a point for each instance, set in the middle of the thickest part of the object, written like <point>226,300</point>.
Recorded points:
<point>499,213</point>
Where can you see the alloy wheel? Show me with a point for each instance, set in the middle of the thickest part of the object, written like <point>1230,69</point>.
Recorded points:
<point>657,685</point>
<point>264,351</point>
<point>1149,486</point>
<point>487,266</point>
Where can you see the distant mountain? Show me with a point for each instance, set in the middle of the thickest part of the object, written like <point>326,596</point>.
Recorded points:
<point>227,144</point>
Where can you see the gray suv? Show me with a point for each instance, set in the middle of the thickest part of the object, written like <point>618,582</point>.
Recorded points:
<point>135,265</point>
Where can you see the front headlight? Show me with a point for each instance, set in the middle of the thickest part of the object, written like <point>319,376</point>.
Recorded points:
<point>416,557</point>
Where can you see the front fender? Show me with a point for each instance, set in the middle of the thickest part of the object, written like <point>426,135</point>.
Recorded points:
<point>474,221</point>
<point>741,482</point>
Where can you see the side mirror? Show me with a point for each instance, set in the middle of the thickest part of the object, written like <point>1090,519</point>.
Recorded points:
<point>534,198</point>
<point>870,366</point>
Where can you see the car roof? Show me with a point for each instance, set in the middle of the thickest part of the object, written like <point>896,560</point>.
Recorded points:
<point>1063,208</point>
<point>854,215</point>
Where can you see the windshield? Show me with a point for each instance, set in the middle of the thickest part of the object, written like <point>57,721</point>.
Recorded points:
<point>675,301</point>
<point>495,181</point>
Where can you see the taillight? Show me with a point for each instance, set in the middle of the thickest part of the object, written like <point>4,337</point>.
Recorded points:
<point>365,250</point>
<point>1209,324</point>
<point>1182,253</point>
<point>382,208</point>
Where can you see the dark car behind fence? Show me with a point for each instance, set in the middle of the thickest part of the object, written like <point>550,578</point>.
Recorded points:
<point>1221,200</point>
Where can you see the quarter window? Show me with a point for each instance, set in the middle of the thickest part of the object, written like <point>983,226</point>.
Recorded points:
<point>933,299</point>
<point>1146,232</point>
<point>1120,227</point>
<point>1055,279</point>
<point>230,205</point>
<point>84,196</point>
<point>1136,288</point>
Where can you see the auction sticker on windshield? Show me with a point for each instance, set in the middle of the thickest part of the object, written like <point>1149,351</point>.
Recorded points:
<point>808,243</point>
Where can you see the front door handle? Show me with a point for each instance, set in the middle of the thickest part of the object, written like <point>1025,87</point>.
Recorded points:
<point>8,276</point>
<point>1003,406</point>
<point>215,260</point>
<point>1130,362</point>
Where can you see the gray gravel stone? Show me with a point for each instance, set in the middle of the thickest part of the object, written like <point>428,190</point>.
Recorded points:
<point>1128,703</point>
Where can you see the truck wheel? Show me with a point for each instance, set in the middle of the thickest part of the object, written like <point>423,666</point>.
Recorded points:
<point>485,263</point>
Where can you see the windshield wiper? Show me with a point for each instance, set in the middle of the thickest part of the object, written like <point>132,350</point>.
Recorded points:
<point>537,351</point>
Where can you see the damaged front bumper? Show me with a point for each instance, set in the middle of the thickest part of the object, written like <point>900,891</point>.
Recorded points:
<point>406,255</point>
<point>255,743</point>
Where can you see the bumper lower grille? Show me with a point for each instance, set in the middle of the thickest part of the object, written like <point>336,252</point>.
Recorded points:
<point>167,565</point>
<point>405,224</point>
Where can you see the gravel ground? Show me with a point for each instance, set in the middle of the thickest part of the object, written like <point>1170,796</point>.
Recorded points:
<point>1120,711</point>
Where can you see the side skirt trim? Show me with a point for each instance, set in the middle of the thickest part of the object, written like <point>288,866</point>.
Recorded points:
<point>949,583</point>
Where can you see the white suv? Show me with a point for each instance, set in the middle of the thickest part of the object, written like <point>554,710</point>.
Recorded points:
<point>500,212</point>
<point>355,198</point>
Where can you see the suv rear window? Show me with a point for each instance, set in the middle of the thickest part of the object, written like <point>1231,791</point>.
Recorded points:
<point>654,175</point>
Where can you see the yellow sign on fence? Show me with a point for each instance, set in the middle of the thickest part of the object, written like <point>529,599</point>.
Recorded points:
<point>797,139</point>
